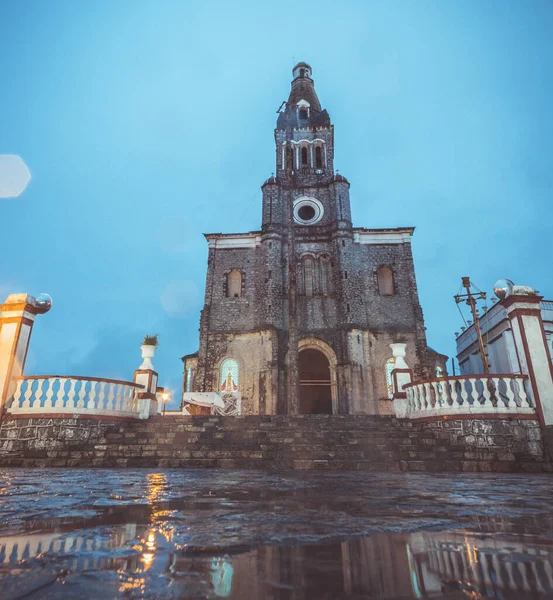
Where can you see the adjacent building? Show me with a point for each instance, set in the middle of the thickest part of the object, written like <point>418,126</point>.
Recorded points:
<point>498,340</point>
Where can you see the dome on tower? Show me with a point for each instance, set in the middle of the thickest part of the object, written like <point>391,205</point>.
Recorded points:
<point>339,178</point>
<point>271,181</point>
<point>302,69</point>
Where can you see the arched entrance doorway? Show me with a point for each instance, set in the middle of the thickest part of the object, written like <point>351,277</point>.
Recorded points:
<point>315,383</point>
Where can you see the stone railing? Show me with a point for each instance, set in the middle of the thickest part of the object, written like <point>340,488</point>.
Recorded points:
<point>50,394</point>
<point>469,395</point>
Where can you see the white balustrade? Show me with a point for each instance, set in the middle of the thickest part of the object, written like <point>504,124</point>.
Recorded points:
<point>471,394</point>
<point>75,396</point>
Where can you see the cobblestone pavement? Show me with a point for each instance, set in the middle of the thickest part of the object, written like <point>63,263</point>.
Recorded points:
<point>293,535</point>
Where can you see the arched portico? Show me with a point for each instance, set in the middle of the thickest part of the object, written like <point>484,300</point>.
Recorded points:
<point>317,366</point>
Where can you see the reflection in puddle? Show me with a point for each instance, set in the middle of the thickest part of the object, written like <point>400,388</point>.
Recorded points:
<point>385,566</point>
<point>243,535</point>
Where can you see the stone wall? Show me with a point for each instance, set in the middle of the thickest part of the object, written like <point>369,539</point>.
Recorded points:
<point>491,439</point>
<point>366,443</point>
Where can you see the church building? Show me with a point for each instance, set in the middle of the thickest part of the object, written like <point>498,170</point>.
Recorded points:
<point>299,316</point>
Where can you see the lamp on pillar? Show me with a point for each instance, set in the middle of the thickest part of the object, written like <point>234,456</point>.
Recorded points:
<point>17,317</point>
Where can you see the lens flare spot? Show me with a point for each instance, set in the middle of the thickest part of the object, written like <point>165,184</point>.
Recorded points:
<point>14,176</point>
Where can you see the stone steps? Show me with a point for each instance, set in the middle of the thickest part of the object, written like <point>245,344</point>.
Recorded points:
<point>364,443</point>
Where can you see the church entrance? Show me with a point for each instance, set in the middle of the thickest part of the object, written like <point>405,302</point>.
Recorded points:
<point>315,383</point>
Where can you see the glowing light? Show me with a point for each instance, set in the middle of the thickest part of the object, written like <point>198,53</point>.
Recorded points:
<point>14,176</point>
<point>156,485</point>
<point>147,559</point>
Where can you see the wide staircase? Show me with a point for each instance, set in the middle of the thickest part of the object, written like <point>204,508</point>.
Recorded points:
<point>367,443</point>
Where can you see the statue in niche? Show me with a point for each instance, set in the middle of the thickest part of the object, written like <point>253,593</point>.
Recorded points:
<point>229,385</point>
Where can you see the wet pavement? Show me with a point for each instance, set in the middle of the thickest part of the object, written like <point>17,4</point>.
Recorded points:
<point>100,534</point>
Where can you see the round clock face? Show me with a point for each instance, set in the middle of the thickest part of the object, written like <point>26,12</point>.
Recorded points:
<point>308,211</point>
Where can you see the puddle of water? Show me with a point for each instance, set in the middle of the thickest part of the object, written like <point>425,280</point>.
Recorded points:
<point>243,535</point>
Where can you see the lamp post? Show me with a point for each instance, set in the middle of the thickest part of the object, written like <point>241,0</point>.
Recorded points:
<point>165,396</point>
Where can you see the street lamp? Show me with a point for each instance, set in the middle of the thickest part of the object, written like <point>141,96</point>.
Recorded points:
<point>165,396</point>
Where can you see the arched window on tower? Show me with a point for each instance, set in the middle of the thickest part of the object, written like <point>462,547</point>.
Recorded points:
<point>385,278</point>
<point>319,157</point>
<point>234,284</point>
<point>299,280</point>
<point>324,277</point>
<point>308,268</point>
<point>228,376</point>
<point>390,366</point>
<point>304,161</point>
<point>290,158</point>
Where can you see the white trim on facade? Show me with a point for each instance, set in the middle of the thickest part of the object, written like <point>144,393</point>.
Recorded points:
<point>234,241</point>
<point>383,237</point>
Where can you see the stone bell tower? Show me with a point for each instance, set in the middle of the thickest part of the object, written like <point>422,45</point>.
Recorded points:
<point>299,316</point>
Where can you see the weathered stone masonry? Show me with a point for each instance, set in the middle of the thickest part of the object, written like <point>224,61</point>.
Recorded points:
<point>369,443</point>
<point>342,312</point>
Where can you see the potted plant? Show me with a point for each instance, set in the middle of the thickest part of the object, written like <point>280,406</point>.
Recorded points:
<point>148,348</point>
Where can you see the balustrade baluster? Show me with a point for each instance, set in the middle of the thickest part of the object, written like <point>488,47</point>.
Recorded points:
<point>409,393</point>
<point>445,393</point>
<point>464,393</point>
<point>82,394</point>
<point>421,397</point>
<point>120,398</point>
<point>92,401</point>
<point>454,393</point>
<point>524,400</point>
<point>427,397</point>
<point>58,401</point>
<point>102,395</point>
<point>111,395</point>
<point>500,401</point>
<point>115,399</point>
<point>71,394</point>
<point>28,393</point>
<point>510,389</point>
<point>37,403</point>
<point>49,392</point>
<point>416,401</point>
<point>17,394</point>
<point>473,392</point>
<point>436,394</point>
<point>486,393</point>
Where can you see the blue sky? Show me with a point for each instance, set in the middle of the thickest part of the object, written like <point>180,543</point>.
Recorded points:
<point>145,124</point>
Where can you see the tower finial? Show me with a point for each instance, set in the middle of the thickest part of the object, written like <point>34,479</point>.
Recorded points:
<point>301,71</point>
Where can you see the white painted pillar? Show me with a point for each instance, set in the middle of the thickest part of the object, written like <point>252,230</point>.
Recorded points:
<point>147,378</point>
<point>17,317</point>
<point>533,353</point>
<point>401,376</point>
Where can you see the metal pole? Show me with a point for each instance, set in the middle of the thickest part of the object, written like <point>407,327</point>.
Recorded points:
<point>471,301</point>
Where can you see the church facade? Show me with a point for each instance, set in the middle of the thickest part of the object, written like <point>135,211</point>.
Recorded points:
<point>299,316</point>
